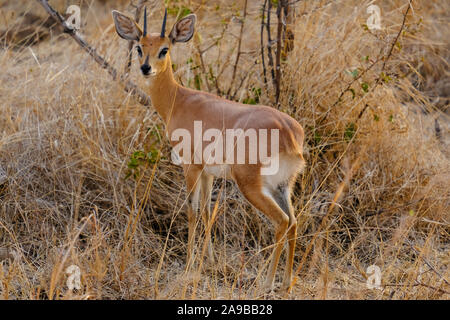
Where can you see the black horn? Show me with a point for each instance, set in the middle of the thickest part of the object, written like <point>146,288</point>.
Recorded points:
<point>145,21</point>
<point>163,30</point>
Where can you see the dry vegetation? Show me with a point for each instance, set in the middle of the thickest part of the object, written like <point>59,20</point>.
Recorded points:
<point>375,190</point>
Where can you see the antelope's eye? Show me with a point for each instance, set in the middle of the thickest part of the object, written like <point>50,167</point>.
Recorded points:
<point>163,53</point>
<point>139,50</point>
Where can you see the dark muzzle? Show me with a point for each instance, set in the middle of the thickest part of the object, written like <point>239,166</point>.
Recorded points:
<point>145,68</point>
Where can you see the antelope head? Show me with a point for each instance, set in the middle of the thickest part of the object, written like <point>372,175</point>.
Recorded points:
<point>153,48</point>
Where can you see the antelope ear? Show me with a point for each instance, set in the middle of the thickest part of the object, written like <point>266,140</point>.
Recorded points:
<point>126,27</point>
<point>183,30</point>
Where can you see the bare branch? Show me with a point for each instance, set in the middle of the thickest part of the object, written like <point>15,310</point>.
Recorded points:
<point>262,43</point>
<point>279,49</point>
<point>269,42</point>
<point>238,55</point>
<point>142,97</point>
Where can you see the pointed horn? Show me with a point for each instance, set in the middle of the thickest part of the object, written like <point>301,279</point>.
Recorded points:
<point>145,21</point>
<point>163,30</point>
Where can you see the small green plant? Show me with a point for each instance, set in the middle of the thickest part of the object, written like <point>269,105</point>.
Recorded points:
<point>350,131</point>
<point>385,77</point>
<point>179,12</point>
<point>198,82</point>
<point>139,158</point>
<point>142,158</point>
<point>353,73</point>
<point>254,98</point>
<point>317,137</point>
<point>391,118</point>
<point>365,87</point>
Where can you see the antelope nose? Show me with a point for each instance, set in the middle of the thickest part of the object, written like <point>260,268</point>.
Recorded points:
<point>145,68</point>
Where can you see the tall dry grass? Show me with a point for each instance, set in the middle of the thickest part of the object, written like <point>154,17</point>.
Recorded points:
<point>375,190</point>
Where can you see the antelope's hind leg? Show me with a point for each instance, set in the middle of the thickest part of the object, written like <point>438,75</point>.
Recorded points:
<point>282,195</point>
<point>263,198</point>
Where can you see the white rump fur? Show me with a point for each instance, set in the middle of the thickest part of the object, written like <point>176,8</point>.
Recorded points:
<point>289,167</point>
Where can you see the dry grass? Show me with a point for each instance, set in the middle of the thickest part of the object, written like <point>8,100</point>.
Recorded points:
<point>67,134</point>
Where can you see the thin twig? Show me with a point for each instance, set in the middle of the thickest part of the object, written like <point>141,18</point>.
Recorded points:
<point>398,36</point>
<point>353,81</point>
<point>416,285</point>
<point>238,55</point>
<point>269,43</point>
<point>203,66</point>
<point>279,49</point>
<point>263,60</point>
<point>201,52</point>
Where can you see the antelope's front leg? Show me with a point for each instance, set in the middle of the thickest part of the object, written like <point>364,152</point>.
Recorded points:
<point>207,183</point>
<point>193,186</point>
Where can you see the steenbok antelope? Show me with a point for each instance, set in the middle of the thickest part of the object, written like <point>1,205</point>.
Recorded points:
<point>185,110</point>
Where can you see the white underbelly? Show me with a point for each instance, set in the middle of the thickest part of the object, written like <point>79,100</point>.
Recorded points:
<point>218,170</point>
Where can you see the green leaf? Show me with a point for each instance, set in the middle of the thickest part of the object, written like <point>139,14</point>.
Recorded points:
<point>317,137</point>
<point>152,156</point>
<point>385,77</point>
<point>249,101</point>
<point>184,11</point>
<point>256,91</point>
<point>350,131</point>
<point>353,93</point>
<point>138,155</point>
<point>255,98</point>
<point>133,163</point>
<point>411,213</point>
<point>365,86</point>
<point>172,11</point>
<point>376,117</point>
<point>198,82</point>
<point>353,73</point>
